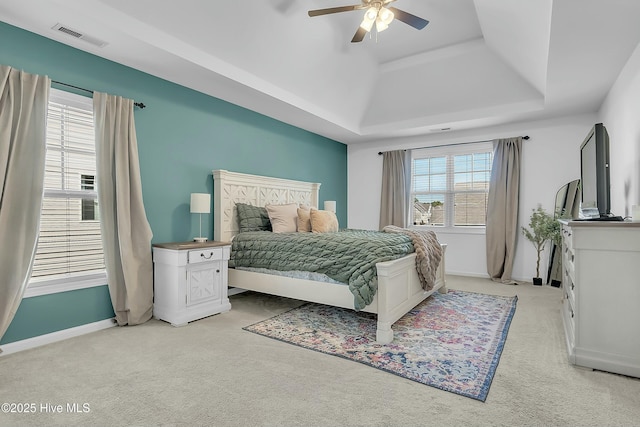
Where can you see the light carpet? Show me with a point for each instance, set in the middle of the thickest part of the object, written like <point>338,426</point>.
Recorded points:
<point>450,341</point>
<point>212,373</point>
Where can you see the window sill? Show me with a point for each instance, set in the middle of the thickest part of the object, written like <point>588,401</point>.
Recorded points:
<point>39,287</point>
<point>451,230</point>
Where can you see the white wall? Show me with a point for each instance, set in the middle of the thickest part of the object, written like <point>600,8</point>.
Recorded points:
<point>550,159</point>
<point>620,113</point>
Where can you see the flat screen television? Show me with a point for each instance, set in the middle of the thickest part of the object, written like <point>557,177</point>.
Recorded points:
<point>594,173</point>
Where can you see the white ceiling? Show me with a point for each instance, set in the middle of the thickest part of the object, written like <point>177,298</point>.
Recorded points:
<point>477,63</point>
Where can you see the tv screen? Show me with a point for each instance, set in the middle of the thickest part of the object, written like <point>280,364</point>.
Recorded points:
<point>594,173</point>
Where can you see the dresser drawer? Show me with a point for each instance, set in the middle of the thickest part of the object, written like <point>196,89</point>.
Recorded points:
<point>569,313</point>
<point>568,264</point>
<point>204,255</point>
<point>569,289</point>
<point>569,328</point>
<point>567,237</point>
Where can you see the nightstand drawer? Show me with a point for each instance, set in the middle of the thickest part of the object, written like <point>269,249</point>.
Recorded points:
<point>204,255</point>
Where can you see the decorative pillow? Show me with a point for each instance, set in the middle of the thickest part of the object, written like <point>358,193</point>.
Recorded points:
<point>284,218</point>
<point>252,218</point>
<point>304,220</point>
<point>323,221</point>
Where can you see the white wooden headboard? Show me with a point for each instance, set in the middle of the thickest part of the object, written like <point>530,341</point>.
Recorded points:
<point>230,188</point>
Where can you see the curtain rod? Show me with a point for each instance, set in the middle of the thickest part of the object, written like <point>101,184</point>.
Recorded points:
<point>526,137</point>
<point>137,104</point>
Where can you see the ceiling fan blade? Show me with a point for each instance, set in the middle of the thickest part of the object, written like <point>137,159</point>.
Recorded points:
<point>409,19</point>
<point>319,12</point>
<point>359,35</point>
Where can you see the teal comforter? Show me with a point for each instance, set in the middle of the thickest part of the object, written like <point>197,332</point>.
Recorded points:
<point>348,256</point>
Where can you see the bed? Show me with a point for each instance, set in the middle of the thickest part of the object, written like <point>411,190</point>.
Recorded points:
<point>399,287</point>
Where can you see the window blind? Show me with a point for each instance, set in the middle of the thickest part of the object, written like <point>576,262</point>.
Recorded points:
<point>70,241</point>
<point>450,185</point>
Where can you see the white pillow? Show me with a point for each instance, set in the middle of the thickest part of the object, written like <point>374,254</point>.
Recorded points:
<point>284,218</point>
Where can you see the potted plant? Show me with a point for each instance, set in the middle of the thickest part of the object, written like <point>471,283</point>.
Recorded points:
<point>543,228</point>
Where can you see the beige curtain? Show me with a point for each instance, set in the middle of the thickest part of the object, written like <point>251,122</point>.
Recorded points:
<point>126,233</point>
<point>396,170</point>
<point>502,208</point>
<point>23,118</point>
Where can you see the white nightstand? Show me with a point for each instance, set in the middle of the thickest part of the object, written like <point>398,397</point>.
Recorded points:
<point>190,280</point>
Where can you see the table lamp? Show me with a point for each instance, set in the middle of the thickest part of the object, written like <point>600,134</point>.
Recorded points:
<point>200,203</point>
<point>330,205</point>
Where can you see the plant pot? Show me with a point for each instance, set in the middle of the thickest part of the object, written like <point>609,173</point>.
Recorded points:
<point>537,281</point>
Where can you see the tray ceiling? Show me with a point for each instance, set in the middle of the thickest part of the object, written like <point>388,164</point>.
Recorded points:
<point>477,63</point>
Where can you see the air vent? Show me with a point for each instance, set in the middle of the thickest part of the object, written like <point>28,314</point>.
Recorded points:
<point>70,32</point>
<point>78,35</point>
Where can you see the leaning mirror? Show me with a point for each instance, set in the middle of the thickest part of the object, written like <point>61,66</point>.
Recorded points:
<point>567,205</point>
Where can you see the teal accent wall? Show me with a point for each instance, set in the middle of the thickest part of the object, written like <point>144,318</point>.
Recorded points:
<point>55,312</point>
<point>182,136</point>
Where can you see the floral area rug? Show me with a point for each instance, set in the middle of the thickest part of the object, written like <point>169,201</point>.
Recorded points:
<point>449,341</point>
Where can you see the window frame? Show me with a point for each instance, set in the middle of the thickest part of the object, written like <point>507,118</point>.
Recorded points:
<point>448,152</point>
<point>45,285</point>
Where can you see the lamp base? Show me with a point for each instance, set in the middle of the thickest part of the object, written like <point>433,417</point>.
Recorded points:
<point>200,239</point>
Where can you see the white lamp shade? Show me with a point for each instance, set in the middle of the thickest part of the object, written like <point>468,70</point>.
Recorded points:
<point>381,25</point>
<point>200,203</point>
<point>369,18</point>
<point>366,25</point>
<point>385,15</point>
<point>330,205</point>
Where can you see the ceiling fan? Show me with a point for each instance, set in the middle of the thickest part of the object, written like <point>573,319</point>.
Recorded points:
<point>376,13</point>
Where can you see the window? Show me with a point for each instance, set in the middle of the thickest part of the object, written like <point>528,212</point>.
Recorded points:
<point>450,185</point>
<point>70,243</point>
<point>89,206</point>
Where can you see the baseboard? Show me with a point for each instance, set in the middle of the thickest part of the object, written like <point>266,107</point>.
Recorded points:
<point>482,275</point>
<point>235,291</point>
<point>466,274</point>
<point>14,347</point>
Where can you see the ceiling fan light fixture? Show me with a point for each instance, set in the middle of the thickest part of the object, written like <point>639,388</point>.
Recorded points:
<point>385,15</point>
<point>369,18</point>
<point>375,12</point>
<point>371,14</point>
<point>366,24</point>
<point>381,25</point>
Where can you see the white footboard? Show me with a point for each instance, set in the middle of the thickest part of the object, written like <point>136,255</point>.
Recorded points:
<point>399,290</point>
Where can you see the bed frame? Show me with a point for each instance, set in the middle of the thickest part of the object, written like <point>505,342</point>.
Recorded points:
<point>399,288</point>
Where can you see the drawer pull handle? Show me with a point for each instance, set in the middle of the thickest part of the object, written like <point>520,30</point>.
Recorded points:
<point>572,314</point>
<point>217,271</point>
<point>206,257</point>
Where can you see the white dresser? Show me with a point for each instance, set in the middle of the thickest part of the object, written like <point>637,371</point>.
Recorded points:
<point>601,285</point>
<point>190,280</point>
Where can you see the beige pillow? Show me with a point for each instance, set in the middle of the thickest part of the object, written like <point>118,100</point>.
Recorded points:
<point>284,218</point>
<point>304,220</point>
<point>323,221</point>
